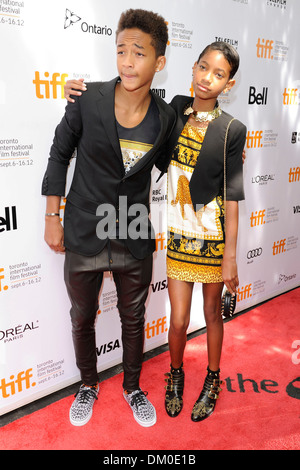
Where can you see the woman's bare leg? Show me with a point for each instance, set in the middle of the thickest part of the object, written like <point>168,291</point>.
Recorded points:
<point>180,293</point>
<point>214,323</point>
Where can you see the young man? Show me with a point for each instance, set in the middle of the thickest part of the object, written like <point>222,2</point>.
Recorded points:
<point>118,128</point>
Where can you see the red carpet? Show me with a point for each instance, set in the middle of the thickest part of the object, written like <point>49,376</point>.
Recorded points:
<point>259,407</point>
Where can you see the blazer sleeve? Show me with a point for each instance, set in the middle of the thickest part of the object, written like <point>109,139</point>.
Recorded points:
<point>234,161</point>
<point>176,105</point>
<point>163,157</point>
<point>66,138</point>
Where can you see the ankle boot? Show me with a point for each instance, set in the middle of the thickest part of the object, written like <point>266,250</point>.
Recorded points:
<point>206,402</point>
<point>174,391</point>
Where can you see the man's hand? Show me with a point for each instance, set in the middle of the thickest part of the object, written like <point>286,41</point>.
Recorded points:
<point>71,86</point>
<point>54,234</point>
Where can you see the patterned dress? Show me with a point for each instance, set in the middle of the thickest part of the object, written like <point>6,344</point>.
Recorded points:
<point>195,238</point>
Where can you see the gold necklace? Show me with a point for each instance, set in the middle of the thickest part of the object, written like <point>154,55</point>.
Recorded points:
<point>203,116</point>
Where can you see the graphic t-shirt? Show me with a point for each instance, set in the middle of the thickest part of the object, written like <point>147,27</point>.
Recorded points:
<point>135,142</point>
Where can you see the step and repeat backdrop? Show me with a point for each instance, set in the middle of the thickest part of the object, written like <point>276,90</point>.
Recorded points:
<point>43,44</point>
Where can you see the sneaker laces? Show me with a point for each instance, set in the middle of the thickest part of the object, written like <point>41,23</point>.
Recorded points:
<point>139,399</point>
<point>86,394</point>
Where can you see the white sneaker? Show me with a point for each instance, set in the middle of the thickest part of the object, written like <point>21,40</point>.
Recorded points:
<point>143,411</point>
<point>82,407</point>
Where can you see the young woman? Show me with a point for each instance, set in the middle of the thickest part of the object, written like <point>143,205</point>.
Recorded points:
<point>198,250</point>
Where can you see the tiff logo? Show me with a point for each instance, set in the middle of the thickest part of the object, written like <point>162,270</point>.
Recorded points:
<point>294,175</point>
<point>254,139</point>
<point>290,96</point>
<point>2,277</point>
<point>15,385</point>
<point>43,87</point>
<point>160,241</point>
<point>244,293</point>
<point>257,218</point>
<point>279,247</point>
<point>158,327</point>
<point>264,49</point>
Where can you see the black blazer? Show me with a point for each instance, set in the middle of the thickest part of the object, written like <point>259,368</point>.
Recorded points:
<point>208,176</point>
<point>99,178</point>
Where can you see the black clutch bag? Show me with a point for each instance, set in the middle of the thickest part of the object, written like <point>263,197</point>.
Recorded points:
<point>228,300</point>
<point>228,304</point>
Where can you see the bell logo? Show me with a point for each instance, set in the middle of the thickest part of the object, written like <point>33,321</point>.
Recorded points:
<point>254,139</point>
<point>279,247</point>
<point>43,87</point>
<point>9,221</point>
<point>290,96</point>
<point>257,218</point>
<point>294,175</point>
<point>264,49</point>
<point>258,98</point>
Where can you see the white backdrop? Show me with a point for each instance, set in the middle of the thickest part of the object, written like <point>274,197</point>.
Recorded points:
<point>45,43</point>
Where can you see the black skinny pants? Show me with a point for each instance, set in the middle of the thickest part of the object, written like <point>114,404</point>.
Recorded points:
<point>83,278</point>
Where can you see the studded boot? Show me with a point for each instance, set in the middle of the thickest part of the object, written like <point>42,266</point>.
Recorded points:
<point>174,391</point>
<point>206,402</point>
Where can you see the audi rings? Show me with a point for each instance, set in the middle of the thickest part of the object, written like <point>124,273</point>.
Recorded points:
<point>254,253</point>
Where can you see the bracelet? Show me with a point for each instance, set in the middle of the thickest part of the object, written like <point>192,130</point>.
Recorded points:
<point>52,214</point>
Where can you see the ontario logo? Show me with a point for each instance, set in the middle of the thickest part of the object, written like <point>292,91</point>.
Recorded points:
<point>72,18</point>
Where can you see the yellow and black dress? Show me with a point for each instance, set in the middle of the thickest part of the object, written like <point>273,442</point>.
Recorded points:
<point>195,238</point>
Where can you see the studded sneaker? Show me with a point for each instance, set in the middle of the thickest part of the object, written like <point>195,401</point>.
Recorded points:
<point>143,411</point>
<point>82,407</point>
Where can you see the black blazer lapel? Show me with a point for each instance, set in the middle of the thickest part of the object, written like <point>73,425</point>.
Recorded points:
<point>106,108</point>
<point>181,119</point>
<point>209,169</point>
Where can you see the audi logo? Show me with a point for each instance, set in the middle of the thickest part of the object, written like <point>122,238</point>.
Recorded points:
<point>254,253</point>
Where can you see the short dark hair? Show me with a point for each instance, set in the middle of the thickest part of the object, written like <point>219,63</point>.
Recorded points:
<point>229,52</point>
<point>148,22</point>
